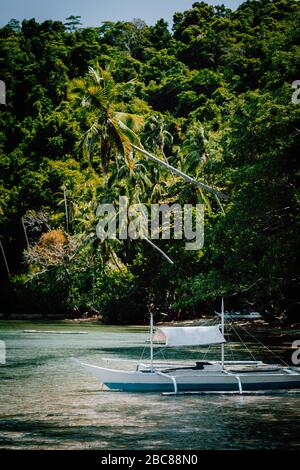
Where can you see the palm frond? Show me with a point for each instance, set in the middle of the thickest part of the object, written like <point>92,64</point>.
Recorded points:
<point>95,74</point>
<point>132,121</point>
<point>76,89</point>
<point>87,142</point>
<point>117,137</point>
<point>127,133</point>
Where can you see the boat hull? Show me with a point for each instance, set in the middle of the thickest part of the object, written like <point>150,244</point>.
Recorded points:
<point>204,387</point>
<point>137,381</point>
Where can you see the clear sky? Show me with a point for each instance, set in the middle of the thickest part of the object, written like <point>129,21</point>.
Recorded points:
<point>93,12</point>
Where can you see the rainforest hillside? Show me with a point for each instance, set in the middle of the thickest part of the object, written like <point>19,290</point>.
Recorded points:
<point>212,95</point>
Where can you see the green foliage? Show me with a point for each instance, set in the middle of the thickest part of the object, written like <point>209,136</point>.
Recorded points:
<point>213,97</point>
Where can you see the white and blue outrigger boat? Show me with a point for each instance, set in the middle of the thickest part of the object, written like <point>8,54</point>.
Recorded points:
<point>201,376</point>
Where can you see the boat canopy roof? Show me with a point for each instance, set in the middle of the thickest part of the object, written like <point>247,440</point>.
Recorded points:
<point>189,335</point>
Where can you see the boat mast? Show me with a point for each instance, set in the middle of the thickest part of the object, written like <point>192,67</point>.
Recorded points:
<point>222,329</point>
<point>151,342</point>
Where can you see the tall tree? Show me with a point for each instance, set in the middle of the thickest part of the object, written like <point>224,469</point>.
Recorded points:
<point>72,23</point>
<point>113,130</point>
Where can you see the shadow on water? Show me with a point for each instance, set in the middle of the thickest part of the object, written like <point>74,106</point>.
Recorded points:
<point>201,427</point>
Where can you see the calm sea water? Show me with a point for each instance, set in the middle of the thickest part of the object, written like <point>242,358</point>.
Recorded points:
<point>49,402</point>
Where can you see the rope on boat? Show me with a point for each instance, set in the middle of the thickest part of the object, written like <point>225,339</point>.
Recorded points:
<point>227,330</point>
<point>243,342</point>
<point>257,341</point>
<point>264,346</point>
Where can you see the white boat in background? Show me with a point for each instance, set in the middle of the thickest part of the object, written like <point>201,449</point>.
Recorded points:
<point>231,316</point>
<point>202,376</point>
<point>54,332</point>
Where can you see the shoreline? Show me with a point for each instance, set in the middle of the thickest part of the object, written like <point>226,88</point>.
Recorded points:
<point>43,318</point>
<point>96,319</point>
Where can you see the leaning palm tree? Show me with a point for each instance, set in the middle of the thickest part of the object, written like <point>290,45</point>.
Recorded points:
<point>111,132</point>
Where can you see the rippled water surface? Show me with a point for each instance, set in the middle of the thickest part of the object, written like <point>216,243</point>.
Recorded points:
<point>49,402</point>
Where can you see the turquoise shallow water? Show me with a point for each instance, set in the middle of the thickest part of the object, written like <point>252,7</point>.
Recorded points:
<point>49,402</point>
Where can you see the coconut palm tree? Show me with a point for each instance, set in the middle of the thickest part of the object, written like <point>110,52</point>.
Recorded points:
<point>195,154</point>
<point>111,132</point>
<point>134,176</point>
<point>156,136</point>
<point>194,150</point>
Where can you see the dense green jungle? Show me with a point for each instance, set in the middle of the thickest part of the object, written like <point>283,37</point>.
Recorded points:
<point>215,95</point>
